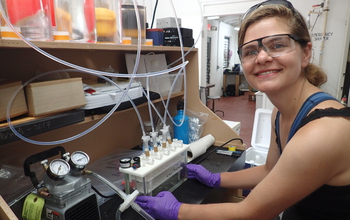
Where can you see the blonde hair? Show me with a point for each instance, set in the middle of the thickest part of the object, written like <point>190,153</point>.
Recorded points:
<point>298,27</point>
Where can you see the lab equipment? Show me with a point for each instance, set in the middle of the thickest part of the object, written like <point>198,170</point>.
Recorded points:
<point>132,18</point>
<point>136,162</point>
<point>78,160</point>
<point>77,18</point>
<point>156,153</point>
<point>66,192</point>
<point>173,38</point>
<point>164,174</point>
<point>148,127</point>
<point>165,150</point>
<point>107,21</point>
<point>181,125</point>
<point>33,17</point>
<point>125,162</point>
<point>168,22</point>
<point>157,35</point>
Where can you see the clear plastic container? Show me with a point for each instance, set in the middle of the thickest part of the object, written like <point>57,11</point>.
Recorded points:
<point>129,20</point>
<point>107,13</point>
<point>77,18</point>
<point>33,17</point>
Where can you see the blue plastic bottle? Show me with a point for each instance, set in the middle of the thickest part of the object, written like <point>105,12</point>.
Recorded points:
<point>181,132</point>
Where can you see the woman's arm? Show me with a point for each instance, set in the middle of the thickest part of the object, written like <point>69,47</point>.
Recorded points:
<point>312,158</point>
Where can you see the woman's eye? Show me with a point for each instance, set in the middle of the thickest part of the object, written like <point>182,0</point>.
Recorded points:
<point>250,52</point>
<point>278,46</point>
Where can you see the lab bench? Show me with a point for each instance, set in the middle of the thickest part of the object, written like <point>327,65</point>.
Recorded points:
<point>122,130</point>
<point>191,191</point>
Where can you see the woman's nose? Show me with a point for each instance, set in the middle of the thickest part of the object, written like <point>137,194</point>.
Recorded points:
<point>263,56</point>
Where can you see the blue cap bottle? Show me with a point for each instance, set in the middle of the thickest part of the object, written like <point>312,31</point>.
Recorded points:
<point>181,132</point>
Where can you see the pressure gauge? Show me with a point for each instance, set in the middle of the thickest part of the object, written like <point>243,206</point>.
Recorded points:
<point>78,160</point>
<point>57,169</point>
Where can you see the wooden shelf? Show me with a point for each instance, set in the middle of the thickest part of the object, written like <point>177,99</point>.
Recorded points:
<point>87,46</point>
<point>122,129</point>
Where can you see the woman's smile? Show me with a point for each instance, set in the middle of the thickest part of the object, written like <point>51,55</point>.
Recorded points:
<point>266,73</point>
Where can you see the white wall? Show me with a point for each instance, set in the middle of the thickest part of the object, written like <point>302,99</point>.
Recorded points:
<point>334,30</point>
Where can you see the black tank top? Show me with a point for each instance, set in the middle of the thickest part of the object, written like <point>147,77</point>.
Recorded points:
<point>327,202</point>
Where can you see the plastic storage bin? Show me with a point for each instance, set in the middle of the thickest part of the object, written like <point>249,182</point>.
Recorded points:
<point>257,154</point>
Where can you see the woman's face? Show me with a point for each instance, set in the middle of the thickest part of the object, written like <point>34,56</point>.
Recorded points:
<point>271,74</point>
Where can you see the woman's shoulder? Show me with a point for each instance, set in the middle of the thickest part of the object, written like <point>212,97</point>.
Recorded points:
<point>326,112</point>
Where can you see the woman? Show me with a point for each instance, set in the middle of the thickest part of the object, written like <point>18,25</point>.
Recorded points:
<point>307,172</point>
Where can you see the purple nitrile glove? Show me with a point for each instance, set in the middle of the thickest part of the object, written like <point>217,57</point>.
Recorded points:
<point>203,175</point>
<point>163,206</point>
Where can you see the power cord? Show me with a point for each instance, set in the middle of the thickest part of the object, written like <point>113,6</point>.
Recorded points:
<point>215,149</point>
<point>154,13</point>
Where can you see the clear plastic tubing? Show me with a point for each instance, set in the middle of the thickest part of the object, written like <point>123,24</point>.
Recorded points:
<point>98,73</point>
<point>149,105</point>
<point>122,194</point>
<point>75,136</point>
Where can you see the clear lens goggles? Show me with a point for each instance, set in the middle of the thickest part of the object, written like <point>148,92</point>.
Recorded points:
<point>274,46</point>
<point>268,2</point>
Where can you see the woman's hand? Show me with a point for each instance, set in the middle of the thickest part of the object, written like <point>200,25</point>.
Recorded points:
<point>163,206</point>
<point>203,175</point>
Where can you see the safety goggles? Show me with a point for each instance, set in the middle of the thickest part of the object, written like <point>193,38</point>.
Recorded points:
<point>274,46</point>
<point>268,2</point>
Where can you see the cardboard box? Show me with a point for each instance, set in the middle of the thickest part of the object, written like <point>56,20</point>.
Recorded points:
<point>19,106</point>
<point>54,96</point>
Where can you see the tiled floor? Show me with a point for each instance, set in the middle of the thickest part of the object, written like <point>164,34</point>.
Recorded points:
<point>238,109</point>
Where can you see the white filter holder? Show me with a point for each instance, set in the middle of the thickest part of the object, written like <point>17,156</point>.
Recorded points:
<point>257,154</point>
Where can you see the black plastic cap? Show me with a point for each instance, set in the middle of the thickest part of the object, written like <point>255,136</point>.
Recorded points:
<point>180,105</point>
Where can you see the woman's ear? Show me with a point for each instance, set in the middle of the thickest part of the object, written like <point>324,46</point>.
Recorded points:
<point>307,54</point>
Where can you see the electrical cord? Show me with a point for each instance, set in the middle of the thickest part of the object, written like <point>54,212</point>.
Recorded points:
<point>100,194</point>
<point>154,13</point>
<point>210,152</point>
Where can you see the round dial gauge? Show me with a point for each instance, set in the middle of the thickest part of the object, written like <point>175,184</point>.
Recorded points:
<point>58,168</point>
<point>79,159</point>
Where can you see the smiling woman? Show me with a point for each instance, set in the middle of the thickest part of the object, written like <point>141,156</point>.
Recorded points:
<point>309,126</point>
